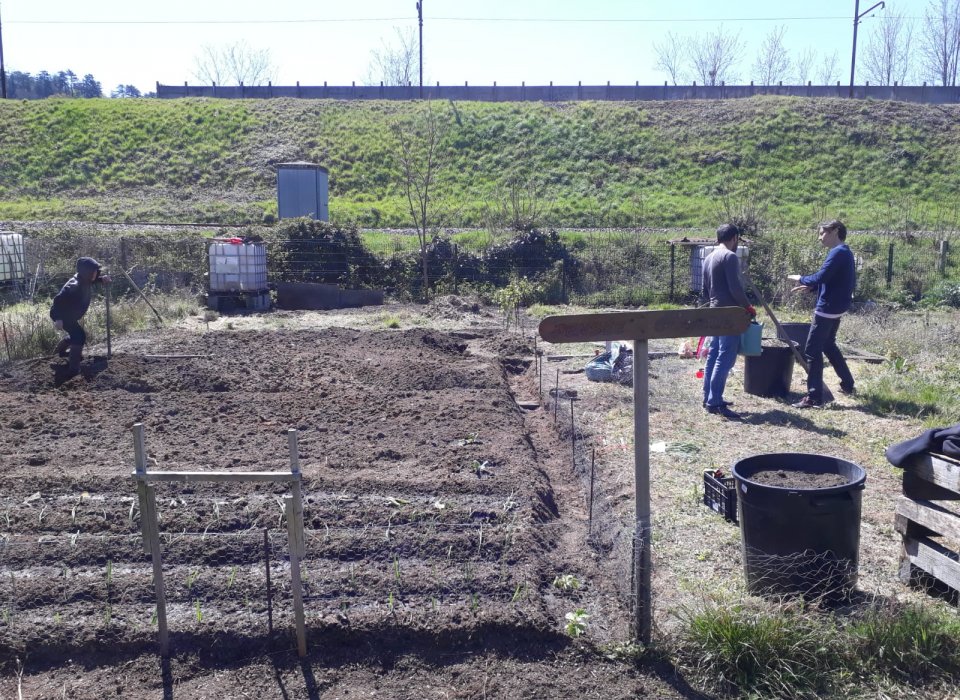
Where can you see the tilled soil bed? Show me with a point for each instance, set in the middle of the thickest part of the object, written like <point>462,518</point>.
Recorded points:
<point>438,517</point>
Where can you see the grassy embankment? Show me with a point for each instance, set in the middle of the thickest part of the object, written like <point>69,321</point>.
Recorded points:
<point>879,165</point>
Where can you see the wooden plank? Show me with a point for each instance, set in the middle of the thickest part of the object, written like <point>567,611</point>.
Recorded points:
<point>217,476</point>
<point>932,558</point>
<point>919,489</point>
<point>930,515</point>
<point>852,353</point>
<point>936,469</point>
<point>908,528</point>
<point>644,325</point>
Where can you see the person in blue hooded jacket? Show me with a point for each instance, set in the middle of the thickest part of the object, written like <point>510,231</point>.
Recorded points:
<point>834,283</point>
<point>70,305</point>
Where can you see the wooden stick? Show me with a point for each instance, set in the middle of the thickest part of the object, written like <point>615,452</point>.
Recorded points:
<point>556,397</point>
<point>151,530</point>
<point>266,557</point>
<point>140,292</point>
<point>106,296</point>
<point>641,455</point>
<point>217,476</point>
<point>573,439</point>
<point>593,457</point>
<point>7,342</point>
<point>174,357</point>
<point>294,509</point>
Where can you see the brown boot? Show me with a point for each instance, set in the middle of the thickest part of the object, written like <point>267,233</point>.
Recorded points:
<point>76,354</point>
<point>61,349</point>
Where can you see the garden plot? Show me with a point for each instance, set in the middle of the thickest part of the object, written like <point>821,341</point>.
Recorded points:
<point>434,506</point>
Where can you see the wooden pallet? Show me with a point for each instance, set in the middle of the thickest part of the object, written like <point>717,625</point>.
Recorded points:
<point>928,478</point>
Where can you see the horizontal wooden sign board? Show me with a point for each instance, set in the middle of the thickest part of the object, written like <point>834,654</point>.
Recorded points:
<point>644,325</point>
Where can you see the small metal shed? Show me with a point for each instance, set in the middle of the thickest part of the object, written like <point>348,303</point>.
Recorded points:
<point>302,191</point>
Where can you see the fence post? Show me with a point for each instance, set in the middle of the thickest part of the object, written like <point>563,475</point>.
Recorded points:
<point>456,256</point>
<point>673,268</point>
<point>942,257</point>
<point>563,280</point>
<point>890,266</point>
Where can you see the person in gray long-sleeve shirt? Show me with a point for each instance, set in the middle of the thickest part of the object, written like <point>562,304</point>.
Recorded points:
<point>722,286</point>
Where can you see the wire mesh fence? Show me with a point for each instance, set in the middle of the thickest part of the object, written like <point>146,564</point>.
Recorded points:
<point>605,269</point>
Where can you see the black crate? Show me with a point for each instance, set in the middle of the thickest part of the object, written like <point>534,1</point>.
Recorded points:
<point>720,494</point>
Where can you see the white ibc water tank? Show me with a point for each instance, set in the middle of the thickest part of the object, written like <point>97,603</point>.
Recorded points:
<point>238,267</point>
<point>13,264</point>
<point>701,253</point>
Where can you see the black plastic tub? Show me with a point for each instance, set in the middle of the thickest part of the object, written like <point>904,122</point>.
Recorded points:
<point>797,332</point>
<point>799,541</point>
<point>769,373</point>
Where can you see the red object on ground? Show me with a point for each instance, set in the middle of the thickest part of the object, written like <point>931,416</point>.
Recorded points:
<point>700,373</point>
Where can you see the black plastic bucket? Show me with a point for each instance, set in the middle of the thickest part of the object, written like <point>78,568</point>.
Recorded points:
<point>769,373</point>
<point>800,541</point>
<point>797,332</point>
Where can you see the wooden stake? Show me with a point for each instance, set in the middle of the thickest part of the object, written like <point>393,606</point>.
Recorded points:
<point>106,296</point>
<point>556,397</point>
<point>294,509</point>
<point>573,439</point>
<point>593,457</point>
<point>266,558</point>
<point>151,530</point>
<point>641,457</point>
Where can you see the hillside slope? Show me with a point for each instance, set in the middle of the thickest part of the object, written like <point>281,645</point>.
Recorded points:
<point>598,164</point>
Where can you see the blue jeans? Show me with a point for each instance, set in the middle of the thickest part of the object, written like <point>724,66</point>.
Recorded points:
<point>822,340</point>
<point>720,360</point>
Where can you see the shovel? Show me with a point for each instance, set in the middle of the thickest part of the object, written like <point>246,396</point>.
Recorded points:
<point>801,360</point>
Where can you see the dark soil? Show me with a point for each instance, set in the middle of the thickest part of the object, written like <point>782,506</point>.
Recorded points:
<point>797,479</point>
<point>438,515</point>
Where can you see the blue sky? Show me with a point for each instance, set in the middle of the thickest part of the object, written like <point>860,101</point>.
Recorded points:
<point>464,40</point>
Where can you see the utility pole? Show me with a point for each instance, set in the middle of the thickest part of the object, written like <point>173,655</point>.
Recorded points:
<point>857,16</point>
<point>3,73</point>
<point>420,20</point>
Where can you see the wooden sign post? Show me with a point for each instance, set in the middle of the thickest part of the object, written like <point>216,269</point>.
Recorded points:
<point>641,326</point>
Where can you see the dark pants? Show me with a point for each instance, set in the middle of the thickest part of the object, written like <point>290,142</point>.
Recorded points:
<point>822,340</point>
<point>77,335</point>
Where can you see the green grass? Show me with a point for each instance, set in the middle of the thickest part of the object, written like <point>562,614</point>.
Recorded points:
<point>789,650</point>
<point>597,164</point>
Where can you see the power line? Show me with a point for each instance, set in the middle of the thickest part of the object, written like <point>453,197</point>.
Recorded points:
<point>541,20</point>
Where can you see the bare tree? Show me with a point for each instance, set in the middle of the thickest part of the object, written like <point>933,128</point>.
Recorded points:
<point>828,68</point>
<point>238,64</point>
<point>887,57</point>
<point>671,53</point>
<point>714,57</point>
<point>940,41</point>
<point>422,158</point>
<point>396,63</point>
<point>805,65</point>
<point>773,61</point>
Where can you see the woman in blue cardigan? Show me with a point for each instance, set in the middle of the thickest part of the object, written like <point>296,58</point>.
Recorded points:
<point>834,283</point>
